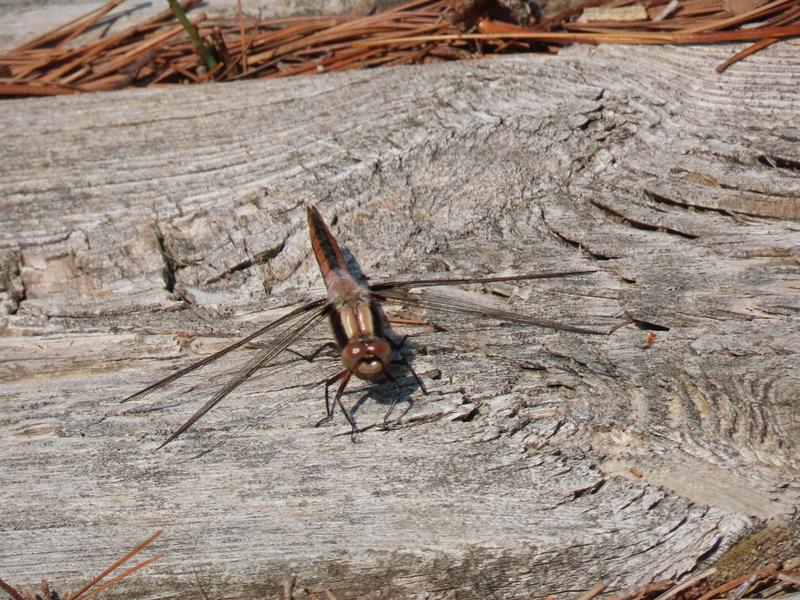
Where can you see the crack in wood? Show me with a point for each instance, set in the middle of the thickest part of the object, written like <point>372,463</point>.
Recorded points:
<point>638,224</point>
<point>660,198</point>
<point>12,284</point>
<point>591,489</point>
<point>168,273</point>
<point>779,162</point>
<point>258,259</point>
<point>579,246</point>
<point>647,325</point>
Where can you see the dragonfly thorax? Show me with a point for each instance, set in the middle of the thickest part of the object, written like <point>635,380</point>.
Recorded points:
<point>367,358</point>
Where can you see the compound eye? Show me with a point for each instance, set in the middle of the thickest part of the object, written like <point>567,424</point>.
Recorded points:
<point>354,354</point>
<point>367,359</point>
<point>381,350</point>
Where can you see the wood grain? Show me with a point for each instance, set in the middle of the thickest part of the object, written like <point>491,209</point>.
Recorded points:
<point>142,230</point>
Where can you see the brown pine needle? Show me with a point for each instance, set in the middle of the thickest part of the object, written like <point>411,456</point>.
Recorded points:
<point>15,595</point>
<point>593,592</point>
<point>689,583</point>
<point>121,576</point>
<point>734,583</point>
<point>744,17</point>
<point>240,14</point>
<point>641,37</point>
<point>32,88</point>
<point>135,52</point>
<point>784,19</point>
<point>125,558</point>
<point>67,28</point>
<point>154,53</point>
<point>742,54</point>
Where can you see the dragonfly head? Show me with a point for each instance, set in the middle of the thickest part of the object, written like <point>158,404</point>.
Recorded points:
<point>367,358</point>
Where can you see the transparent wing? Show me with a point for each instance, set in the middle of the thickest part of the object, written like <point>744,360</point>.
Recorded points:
<point>387,285</point>
<point>401,292</point>
<point>278,345</point>
<point>209,359</point>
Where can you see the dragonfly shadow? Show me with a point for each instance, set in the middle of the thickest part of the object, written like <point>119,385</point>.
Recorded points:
<point>397,389</point>
<point>403,381</point>
<point>396,398</point>
<point>392,394</point>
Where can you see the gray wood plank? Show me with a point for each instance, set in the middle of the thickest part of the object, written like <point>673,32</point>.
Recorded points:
<point>144,229</point>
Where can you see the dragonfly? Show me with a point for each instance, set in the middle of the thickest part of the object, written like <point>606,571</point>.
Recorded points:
<point>357,323</point>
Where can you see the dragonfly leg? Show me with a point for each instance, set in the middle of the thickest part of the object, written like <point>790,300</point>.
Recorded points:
<point>345,375</point>
<point>330,405</point>
<point>315,353</point>
<point>398,347</point>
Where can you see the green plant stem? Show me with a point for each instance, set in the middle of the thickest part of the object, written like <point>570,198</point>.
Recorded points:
<point>206,54</point>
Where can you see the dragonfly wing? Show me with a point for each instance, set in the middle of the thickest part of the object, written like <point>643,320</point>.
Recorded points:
<point>387,285</point>
<point>278,345</point>
<point>443,302</point>
<point>208,359</point>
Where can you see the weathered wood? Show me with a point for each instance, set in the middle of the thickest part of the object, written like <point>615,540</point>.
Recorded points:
<point>142,230</point>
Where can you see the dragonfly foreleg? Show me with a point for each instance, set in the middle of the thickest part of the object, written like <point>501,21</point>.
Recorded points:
<point>345,375</point>
<point>315,353</point>
<point>329,404</point>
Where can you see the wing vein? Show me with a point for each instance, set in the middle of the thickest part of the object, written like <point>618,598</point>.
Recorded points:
<point>446,303</point>
<point>211,358</point>
<point>279,344</point>
<point>387,285</point>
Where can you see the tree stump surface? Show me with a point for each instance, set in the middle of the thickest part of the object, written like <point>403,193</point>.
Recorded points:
<point>145,229</point>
